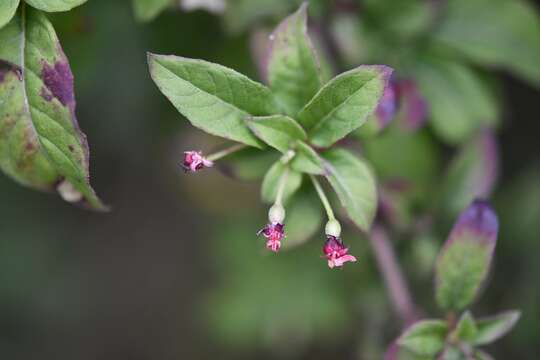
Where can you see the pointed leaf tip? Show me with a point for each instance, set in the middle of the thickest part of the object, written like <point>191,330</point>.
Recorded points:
<point>212,97</point>
<point>466,257</point>
<point>293,66</point>
<point>344,103</point>
<point>493,328</point>
<point>480,220</point>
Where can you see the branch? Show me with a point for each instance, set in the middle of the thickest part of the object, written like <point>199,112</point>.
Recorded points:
<point>397,288</point>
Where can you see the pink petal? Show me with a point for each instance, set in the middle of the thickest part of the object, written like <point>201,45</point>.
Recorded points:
<point>343,259</point>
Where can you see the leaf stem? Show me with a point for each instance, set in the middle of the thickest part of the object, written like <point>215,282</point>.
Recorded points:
<point>218,155</point>
<point>324,199</point>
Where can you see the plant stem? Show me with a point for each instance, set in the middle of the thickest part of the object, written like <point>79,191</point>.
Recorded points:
<point>281,186</point>
<point>324,199</point>
<point>218,155</point>
<point>392,274</point>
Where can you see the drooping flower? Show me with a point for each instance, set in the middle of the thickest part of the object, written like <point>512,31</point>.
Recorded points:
<point>335,252</point>
<point>195,161</point>
<point>274,233</point>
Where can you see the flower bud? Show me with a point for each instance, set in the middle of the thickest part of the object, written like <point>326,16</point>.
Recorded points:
<point>276,214</point>
<point>333,228</point>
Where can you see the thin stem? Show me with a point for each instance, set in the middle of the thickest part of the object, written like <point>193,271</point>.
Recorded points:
<point>281,186</point>
<point>396,285</point>
<point>324,199</point>
<point>218,155</point>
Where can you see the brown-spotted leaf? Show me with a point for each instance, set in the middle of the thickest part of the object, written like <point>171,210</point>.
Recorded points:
<point>41,145</point>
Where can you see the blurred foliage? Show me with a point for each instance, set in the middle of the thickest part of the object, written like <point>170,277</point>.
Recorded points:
<point>174,244</point>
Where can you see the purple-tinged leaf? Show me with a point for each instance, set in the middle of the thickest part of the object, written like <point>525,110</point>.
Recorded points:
<point>495,327</point>
<point>465,259</point>
<point>41,144</point>
<point>383,114</point>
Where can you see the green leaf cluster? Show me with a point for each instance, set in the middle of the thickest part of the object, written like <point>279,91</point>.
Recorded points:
<point>297,114</point>
<point>461,268</point>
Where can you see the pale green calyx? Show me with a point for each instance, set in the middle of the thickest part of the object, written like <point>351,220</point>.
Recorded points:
<point>276,214</point>
<point>333,228</point>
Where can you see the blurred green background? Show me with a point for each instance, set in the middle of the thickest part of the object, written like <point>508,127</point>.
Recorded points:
<point>175,270</point>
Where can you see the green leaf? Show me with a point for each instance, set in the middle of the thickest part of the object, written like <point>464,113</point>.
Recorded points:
<point>495,327</point>
<point>459,102</point>
<point>214,98</point>
<point>307,160</point>
<point>7,11</point>
<point>304,218</point>
<point>465,259</point>
<point>466,329</point>
<point>425,338</point>
<point>55,5</point>
<point>147,10</point>
<point>344,104</point>
<point>293,67</point>
<point>272,179</point>
<point>278,131</point>
<point>353,182</point>
<point>41,144</point>
<point>503,33</point>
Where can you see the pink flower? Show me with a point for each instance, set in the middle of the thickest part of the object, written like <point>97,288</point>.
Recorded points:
<point>336,252</point>
<point>194,161</point>
<point>274,233</point>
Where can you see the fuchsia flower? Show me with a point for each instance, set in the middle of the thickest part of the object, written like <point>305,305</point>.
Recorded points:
<point>195,161</point>
<point>274,233</point>
<point>335,252</point>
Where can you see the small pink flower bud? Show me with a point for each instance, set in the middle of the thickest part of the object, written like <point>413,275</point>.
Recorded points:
<point>274,233</point>
<point>195,161</point>
<point>335,252</point>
